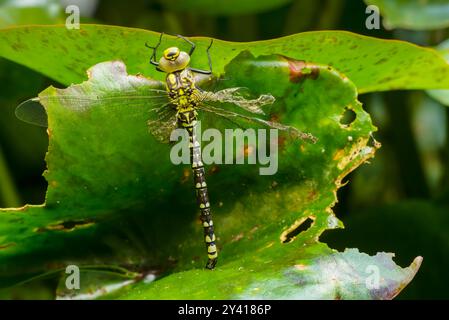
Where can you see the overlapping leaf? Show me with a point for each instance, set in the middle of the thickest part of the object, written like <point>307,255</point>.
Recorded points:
<point>372,64</point>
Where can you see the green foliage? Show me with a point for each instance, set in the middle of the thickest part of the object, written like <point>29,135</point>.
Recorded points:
<point>413,14</point>
<point>319,274</point>
<point>372,64</point>
<point>115,198</point>
<point>99,209</point>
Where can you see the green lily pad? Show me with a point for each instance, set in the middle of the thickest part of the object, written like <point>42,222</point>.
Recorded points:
<point>413,14</point>
<point>372,64</point>
<point>320,274</point>
<point>115,197</point>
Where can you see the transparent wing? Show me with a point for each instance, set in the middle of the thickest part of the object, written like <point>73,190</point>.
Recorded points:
<point>244,122</point>
<point>162,121</point>
<point>33,112</point>
<point>161,114</point>
<point>240,97</point>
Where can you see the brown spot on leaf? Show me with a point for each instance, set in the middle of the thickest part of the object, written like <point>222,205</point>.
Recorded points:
<point>301,70</point>
<point>339,154</point>
<point>185,176</point>
<point>214,169</point>
<point>254,229</point>
<point>66,51</point>
<point>18,46</point>
<point>300,267</point>
<point>248,150</point>
<point>68,225</point>
<point>8,245</point>
<point>383,60</point>
<point>311,195</point>
<point>237,237</point>
<point>281,139</point>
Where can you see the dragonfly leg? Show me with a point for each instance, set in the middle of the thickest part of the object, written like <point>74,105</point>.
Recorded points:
<point>208,55</point>
<point>192,45</point>
<point>153,60</point>
<point>209,59</point>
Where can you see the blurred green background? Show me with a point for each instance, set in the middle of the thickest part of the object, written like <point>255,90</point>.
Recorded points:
<point>398,203</point>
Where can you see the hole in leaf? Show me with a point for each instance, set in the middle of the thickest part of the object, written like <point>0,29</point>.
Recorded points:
<point>68,225</point>
<point>303,226</point>
<point>348,117</point>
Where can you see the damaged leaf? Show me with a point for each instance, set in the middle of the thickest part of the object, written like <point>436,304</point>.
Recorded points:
<point>104,167</point>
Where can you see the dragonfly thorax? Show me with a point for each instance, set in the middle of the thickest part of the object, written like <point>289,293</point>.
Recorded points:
<point>182,90</point>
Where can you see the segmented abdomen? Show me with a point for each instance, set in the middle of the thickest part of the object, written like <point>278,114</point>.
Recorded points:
<point>188,120</point>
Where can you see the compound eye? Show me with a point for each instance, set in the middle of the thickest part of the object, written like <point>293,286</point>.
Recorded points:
<point>172,53</point>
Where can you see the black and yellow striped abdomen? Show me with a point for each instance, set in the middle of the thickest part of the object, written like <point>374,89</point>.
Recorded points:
<point>185,96</point>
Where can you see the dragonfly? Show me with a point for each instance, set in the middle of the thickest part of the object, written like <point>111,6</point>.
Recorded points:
<point>178,105</point>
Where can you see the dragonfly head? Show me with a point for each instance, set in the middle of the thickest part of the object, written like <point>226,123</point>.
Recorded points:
<point>174,60</point>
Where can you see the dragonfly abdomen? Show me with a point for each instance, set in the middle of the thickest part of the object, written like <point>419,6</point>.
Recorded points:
<point>188,120</point>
